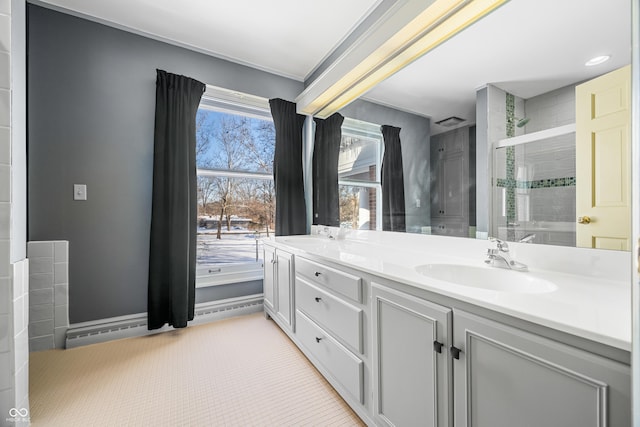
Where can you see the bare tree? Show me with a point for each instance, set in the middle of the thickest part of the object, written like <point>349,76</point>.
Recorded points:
<point>204,137</point>
<point>229,142</point>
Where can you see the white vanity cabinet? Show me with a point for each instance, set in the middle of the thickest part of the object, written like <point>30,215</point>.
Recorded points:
<point>404,356</point>
<point>508,377</point>
<point>278,286</point>
<point>331,316</point>
<point>411,364</point>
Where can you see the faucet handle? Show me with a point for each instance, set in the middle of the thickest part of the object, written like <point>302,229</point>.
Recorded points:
<point>500,244</point>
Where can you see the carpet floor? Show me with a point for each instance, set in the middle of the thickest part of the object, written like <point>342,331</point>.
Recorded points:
<point>237,372</point>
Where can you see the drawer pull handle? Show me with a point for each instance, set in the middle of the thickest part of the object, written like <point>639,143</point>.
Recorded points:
<point>318,273</point>
<point>318,339</point>
<point>455,352</point>
<point>318,299</point>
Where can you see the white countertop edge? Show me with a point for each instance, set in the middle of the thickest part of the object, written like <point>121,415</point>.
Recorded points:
<point>615,335</point>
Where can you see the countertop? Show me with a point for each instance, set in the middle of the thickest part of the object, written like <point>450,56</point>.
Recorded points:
<point>592,296</point>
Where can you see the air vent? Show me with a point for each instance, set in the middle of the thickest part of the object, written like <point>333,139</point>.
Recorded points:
<point>450,121</point>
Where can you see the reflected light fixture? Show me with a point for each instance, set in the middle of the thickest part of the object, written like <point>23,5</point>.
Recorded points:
<point>438,22</point>
<point>597,60</point>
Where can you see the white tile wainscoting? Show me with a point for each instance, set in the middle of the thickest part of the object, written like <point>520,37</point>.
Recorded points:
<point>48,294</point>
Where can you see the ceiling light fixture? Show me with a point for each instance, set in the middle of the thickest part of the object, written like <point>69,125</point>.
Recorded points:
<point>597,60</point>
<point>435,24</point>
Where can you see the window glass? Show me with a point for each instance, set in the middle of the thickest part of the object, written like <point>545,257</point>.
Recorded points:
<point>359,165</point>
<point>236,197</point>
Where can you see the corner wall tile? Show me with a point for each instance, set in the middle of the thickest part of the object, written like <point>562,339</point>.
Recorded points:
<point>18,314</point>
<point>61,295</point>
<point>5,7</point>
<point>5,145</point>
<point>40,312</point>
<point>5,106</point>
<point>60,273</point>
<point>41,265</point>
<point>6,378</point>
<point>22,350</point>
<point>5,33</point>
<point>40,281</point>
<point>7,400</point>
<point>22,384</point>
<point>61,252</point>
<point>41,328</point>
<point>5,70</point>
<point>41,296</point>
<point>40,249</point>
<point>60,337</point>
<point>41,343</point>
<point>5,336</point>
<point>61,316</point>
<point>6,297</point>
<point>18,280</point>
<point>5,220</point>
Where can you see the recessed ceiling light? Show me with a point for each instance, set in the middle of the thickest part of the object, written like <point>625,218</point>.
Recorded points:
<point>597,60</point>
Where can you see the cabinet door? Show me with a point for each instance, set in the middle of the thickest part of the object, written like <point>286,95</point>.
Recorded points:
<point>506,377</point>
<point>435,180</point>
<point>411,371</point>
<point>455,180</point>
<point>284,287</point>
<point>269,280</point>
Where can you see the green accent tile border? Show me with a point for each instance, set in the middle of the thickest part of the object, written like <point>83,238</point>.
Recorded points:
<point>511,160</point>
<point>508,183</point>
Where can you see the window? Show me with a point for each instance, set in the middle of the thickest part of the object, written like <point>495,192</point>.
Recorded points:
<point>359,161</point>
<point>235,141</point>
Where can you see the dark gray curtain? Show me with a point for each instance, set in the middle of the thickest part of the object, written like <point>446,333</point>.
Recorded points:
<point>326,204</point>
<point>172,250</point>
<point>291,211</point>
<point>393,209</point>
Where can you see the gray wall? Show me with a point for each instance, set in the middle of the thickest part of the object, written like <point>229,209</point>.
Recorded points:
<point>91,116</point>
<point>483,167</point>
<point>415,139</point>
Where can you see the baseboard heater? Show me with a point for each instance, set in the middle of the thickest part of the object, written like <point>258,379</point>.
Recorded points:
<point>135,325</point>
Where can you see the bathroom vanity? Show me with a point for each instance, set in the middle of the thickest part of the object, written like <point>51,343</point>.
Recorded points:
<point>418,330</point>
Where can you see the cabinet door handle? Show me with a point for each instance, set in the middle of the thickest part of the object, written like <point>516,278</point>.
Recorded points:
<point>317,273</point>
<point>437,346</point>
<point>455,352</point>
<point>318,339</point>
<point>318,299</point>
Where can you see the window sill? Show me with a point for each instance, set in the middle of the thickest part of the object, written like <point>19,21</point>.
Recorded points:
<point>226,275</point>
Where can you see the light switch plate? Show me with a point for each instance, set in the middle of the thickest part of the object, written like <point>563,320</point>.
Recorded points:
<point>79,192</point>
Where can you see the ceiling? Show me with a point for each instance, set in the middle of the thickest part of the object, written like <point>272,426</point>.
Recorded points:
<point>526,47</point>
<point>286,37</point>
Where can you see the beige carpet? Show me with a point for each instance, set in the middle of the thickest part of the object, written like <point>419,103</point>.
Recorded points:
<point>236,372</point>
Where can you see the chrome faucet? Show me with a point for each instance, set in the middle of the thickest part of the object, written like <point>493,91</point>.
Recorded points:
<point>528,238</point>
<point>499,256</point>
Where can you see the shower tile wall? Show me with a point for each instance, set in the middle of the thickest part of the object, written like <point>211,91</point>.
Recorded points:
<point>551,109</point>
<point>48,294</point>
<point>543,172</point>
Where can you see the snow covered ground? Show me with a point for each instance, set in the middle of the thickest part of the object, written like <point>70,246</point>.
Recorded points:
<point>235,246</point>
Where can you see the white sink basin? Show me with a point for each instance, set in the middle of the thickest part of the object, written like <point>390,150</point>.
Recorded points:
<point>488,278</point>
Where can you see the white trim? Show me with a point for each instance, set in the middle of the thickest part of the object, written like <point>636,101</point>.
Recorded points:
<point>228,173</point>
<point>135,325</point>
<point>537,136</point>
<point>220,275</point>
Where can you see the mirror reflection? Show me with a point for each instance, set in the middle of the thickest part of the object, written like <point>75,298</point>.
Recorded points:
<point>490,124</point>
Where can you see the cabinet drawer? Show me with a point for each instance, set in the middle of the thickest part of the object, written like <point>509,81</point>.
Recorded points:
<point>342,319</point>
<point>341,282</point>
<point>342,365</point>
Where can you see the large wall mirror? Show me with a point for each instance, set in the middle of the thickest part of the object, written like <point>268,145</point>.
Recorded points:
<point>489,127</point>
